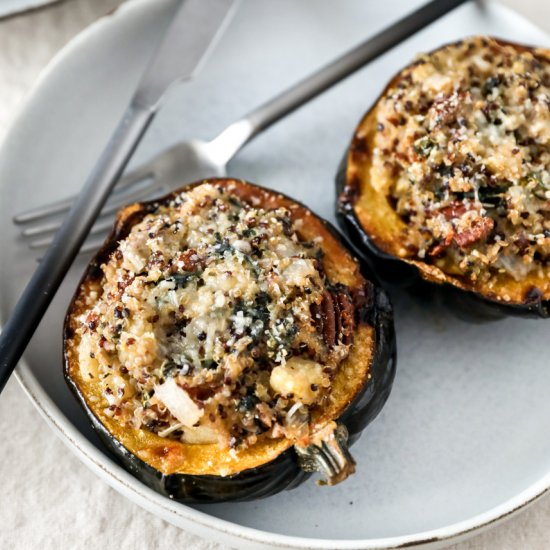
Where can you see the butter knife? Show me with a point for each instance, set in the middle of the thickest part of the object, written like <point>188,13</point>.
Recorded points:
<point>190,36</point>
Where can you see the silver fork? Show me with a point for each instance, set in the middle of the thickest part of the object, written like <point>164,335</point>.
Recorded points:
<point>193,160</point>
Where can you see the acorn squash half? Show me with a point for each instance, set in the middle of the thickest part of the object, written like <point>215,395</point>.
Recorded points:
<point>446,179</point>
<point>204,472</point>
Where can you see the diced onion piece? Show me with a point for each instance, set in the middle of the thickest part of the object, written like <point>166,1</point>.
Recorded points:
<point>170,429</point>
<point>88,363</point>
<point>200,435</point>
<point>297,273</point>
<point>178,402</point>
<point>298,377</point>
<point>242,246</point>
<point>293,409</point>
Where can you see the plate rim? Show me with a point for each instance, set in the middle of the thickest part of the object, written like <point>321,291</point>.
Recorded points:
<point>198,522</point>
<point>30,7</point>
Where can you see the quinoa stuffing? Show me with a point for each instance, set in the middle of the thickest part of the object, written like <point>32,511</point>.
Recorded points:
<point>463,135</point>
<point>215,323</point>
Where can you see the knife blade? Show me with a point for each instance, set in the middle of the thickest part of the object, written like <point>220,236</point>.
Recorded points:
<point>195,31</point>
<point>188,40</point>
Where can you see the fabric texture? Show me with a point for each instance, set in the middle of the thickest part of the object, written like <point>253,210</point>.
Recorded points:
<point>48,499</point>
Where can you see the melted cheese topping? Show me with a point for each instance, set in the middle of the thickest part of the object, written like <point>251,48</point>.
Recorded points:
<point>207,328</point>
<point>463,145</point>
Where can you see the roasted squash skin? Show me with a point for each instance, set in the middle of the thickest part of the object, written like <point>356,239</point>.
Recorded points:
<point>356,199</point>
<point>269,466</point>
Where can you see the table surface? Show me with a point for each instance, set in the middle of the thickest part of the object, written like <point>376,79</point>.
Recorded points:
<point>48,498</point>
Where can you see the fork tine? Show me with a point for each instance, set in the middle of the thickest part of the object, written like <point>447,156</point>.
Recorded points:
<point>91,246</point>
<point>88,247</point>
<point>134,177</point>
<point>104,223</point>
<point>43,211</point>
<point>112,206</point>
<point>41,229</point>
<point>98,228</point>
<point>128,198</point>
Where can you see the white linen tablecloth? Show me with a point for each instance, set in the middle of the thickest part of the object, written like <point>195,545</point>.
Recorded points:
<point>48,499</point>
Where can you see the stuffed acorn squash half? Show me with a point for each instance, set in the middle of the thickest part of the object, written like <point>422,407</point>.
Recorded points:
<point>447,176</point>
<point>224,343</point>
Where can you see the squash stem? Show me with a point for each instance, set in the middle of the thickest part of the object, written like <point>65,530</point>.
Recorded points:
<point>328,454</point>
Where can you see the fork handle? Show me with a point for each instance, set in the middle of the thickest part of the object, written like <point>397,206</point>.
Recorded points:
<point>45,281</point>
<point>235,136</point>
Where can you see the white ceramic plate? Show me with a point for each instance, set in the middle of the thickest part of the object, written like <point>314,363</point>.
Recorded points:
<point>11,7</point>
<point>463,440</point>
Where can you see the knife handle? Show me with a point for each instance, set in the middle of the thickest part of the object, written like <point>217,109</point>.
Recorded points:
<point>40,290</point>
<point>238,134</point>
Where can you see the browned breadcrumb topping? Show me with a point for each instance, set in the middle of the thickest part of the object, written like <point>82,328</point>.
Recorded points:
<point>464,134</point>
<point>216,323</point>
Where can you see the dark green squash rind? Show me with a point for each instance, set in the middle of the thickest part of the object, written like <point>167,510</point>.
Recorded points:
<point>284,472</point>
